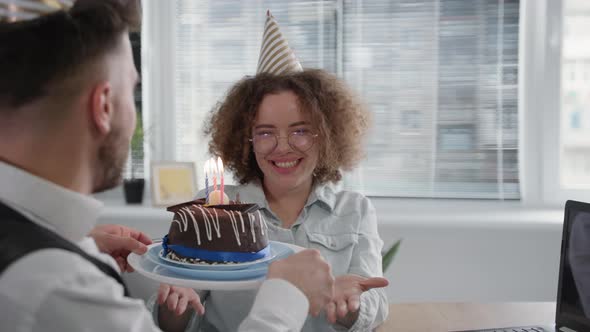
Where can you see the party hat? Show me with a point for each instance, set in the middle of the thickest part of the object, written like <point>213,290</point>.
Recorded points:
<point>22,10</point>
<point>276,57</point>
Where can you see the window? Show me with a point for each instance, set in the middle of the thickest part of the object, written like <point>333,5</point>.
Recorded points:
<point>440,77</point>
<point>456,62</point>
<point>575,96</point>
<point>135,163</point>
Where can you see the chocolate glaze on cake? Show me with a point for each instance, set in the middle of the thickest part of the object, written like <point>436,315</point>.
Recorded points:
<point>228,228</point>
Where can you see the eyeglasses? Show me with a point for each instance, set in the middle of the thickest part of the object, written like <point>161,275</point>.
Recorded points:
<point>299,140</point>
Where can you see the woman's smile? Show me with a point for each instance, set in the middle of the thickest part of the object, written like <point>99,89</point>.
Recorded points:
<point>285,165</point>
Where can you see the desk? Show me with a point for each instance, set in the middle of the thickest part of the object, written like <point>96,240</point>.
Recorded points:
<point>439,317</point>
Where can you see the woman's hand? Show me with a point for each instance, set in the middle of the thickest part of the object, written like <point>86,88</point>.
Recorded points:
<point>177,299</point>
<point>344,308</point>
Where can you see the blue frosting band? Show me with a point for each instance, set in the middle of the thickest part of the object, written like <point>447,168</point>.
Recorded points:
<point>214,256</point>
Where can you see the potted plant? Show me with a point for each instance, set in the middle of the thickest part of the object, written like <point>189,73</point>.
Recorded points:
<point>133,187</point>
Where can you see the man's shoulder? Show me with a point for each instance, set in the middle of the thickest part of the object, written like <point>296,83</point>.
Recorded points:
<point>30,279</point>
<point>62,288</point>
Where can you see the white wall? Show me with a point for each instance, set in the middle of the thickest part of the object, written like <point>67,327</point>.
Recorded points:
<point>471,251</point>
<point>453,251</point>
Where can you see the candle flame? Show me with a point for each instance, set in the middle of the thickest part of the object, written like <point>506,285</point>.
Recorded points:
<point>213,166</point>
<point>219,165</point>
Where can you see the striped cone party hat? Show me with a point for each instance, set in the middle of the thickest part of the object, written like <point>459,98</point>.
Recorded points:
<point>22,10</point>
<point>276,57</point>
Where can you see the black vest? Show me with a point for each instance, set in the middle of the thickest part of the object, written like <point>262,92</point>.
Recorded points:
<point>19,236</point>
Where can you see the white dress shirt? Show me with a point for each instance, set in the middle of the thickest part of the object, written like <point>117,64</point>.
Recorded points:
<point>57,290</point>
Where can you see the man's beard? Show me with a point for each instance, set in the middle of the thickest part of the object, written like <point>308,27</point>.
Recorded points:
<point>112,156</point>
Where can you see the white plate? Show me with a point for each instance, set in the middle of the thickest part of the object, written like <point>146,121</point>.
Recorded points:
<point>204,266</point>
<point>147,267</point>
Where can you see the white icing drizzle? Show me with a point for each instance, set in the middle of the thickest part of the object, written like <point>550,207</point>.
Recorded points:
<point>234,225</point>
<point>242,220</point>
<point>209,219</point>
<point>215,222</point>
<point>177,222</point>
<point>195,224</point>
<point>263,224</point>
<point>252,230</point>
<point>184,219</point>
<point>207,223</point>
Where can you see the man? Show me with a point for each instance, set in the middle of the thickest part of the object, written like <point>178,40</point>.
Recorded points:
<point>66,120</point>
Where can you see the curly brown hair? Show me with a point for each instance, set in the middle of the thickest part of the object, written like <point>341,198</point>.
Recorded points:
<point>340,119</point>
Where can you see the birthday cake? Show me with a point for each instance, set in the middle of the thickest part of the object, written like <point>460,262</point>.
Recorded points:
<point>216,234</point>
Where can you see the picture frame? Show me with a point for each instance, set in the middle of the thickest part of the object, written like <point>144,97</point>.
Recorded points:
<point>172,182</point>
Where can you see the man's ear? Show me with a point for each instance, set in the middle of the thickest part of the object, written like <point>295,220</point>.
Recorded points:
<point>101,107</point>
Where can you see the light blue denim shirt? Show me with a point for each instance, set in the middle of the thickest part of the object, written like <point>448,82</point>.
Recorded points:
<point>342,225</point>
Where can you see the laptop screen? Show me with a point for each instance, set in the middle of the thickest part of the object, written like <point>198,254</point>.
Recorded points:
<point>573,298</point>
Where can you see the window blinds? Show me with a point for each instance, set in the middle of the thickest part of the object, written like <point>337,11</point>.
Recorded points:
<point>440,77</point>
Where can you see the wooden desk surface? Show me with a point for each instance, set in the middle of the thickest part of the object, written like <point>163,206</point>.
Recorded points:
<point>439,317</point>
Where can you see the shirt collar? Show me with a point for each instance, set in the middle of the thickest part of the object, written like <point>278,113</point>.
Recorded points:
<point>68,213</point>
<point>321,193</point>
<point>324,195</point>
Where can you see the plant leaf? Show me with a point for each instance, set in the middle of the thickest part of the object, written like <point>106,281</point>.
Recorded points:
<point>389,255</point>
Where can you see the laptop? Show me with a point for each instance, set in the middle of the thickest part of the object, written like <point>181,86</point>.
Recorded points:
<point>573,290</point>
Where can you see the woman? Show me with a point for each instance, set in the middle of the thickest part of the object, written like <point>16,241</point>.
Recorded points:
<point>286,139</point>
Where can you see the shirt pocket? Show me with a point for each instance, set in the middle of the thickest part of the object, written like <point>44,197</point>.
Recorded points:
<point>336,249</point>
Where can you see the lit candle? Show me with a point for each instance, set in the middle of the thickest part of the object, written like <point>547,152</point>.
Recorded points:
<point>206,181</point>
<point>220,169</point>
<point>214,170</point>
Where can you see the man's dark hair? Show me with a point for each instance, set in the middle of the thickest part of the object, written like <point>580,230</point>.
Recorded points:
<point>38,54</point>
